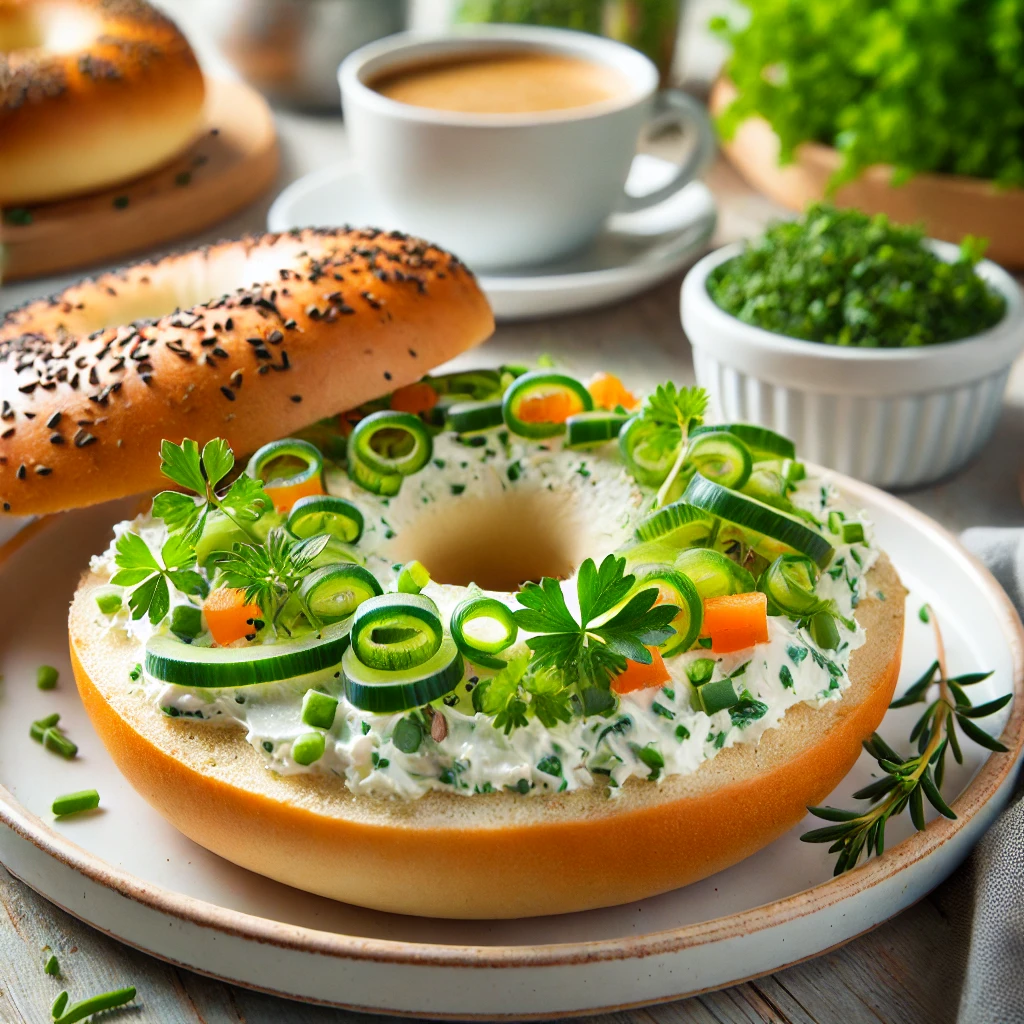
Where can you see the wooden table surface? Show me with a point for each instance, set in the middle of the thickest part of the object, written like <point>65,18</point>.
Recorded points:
<point>904,972</point>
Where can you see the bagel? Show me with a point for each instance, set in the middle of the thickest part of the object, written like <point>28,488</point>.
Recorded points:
<point>196,344</point>
<point>472,818</point>
<point>92,92</point>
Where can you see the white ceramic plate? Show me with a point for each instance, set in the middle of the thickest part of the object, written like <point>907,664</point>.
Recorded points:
<point>127,872</point>
<point>633,253</point>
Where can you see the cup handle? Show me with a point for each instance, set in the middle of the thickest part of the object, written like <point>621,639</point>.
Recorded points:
<point>673,106</point>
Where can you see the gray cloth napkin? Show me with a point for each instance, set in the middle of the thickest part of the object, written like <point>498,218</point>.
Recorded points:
<point>984,899</point>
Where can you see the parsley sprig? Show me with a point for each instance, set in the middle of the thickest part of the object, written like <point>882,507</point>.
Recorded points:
<point>243,502</point>
<point>519,690</point>
<point>908,781</point>
<point>271,572</point>
<point>674,412</point>
<point>138,567</point>
<point>591,652</point>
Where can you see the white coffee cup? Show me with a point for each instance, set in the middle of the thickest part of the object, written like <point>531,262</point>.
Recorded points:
<point>506,190</point>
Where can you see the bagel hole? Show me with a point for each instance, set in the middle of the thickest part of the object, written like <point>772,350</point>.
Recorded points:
<point>497,542</point>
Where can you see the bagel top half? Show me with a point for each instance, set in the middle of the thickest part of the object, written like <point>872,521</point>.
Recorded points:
<point>246,340</point>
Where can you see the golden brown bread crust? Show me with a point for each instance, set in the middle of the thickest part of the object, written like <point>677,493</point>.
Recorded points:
<point>500,855</point>
<point>268,334</point>
<point>71,122</point>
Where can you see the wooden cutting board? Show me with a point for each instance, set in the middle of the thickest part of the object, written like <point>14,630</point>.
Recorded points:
<point>231,163</point>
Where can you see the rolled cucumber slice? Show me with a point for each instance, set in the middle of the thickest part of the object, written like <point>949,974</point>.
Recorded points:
<point>720,456</point>
<point>334,592</point>
<point>759,440</point>
<point>674,588</point>
<point>382,691</point>
<point>326,513</point>
<point>772,531</point>
<point>679,524</point>
<point>396,631</point>
<point>172,661</point>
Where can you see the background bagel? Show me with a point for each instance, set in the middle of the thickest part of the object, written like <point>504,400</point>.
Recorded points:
<point>267,334</point>
<point>124,100</point>
<point>498,855</point>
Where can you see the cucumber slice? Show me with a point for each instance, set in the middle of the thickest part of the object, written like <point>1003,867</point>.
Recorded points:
<point>678,524</point>
<point>286,463</point>
<point>469,417</point>
<point>396,631</point>
<point>476,648</point>
<point>774,532</point>
<point>722,457</point>
<point>789,585</point>
<point>674,588</point>
<point>592,428</point>
<point>648,449</point>
<point>387,484</point>
<point>325,513</point>
<point>390,443</point>
<point>334,592</point>
<point>476,385</point>
<point>714,574</point>
<point>759,440</point>
<point>382,692</point>
<point>172,661</point>
<point>534,388</point>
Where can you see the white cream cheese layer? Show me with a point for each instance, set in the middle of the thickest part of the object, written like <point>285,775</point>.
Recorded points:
<point>653,734</point>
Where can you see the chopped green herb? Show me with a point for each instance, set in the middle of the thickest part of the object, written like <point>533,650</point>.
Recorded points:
<point>136,673</point>
<point>786,677</point>
<point>94,1004</point>
<point>58,1005</point>
<point>737,672</point>
<point>651,756</point>
<point>318,709</point>
<point>747,710</point>
<point>670,694</point>
<point>664,712</point>
<point>186,621</point>
<point>514,471</point>
<point>52,967</point>
<point>457,489</point>
<point>924,614</point>
<point>365,726</point>
<point>46,677</point>
<point>705,642</point>
<point>108,604</point>
<point>550,765</point>
<point>682,733</point>
<point>74,803</point>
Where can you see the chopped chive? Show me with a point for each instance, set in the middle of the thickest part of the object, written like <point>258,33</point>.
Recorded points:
<point>135,673</point>
<point>660,709</point>
<point>52,967</point>
<point>852,533</point>
<point>55,740</point>
<point>718,696</point>
<point>318,709</point>
<point>923,614</point>
<point>37,729</point>
<point>58,1005</point>
<point>682,733</point>
<point>94,1004</point>
<point>704,641</point>
<point>73,803</point>
<point>46,677</point>
<point>786,677</point>
<point>108,604</point>
<point>309,747</point>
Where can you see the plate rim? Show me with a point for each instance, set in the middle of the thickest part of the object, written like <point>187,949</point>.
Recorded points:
<point>990,778</point>
<point>511,286</point>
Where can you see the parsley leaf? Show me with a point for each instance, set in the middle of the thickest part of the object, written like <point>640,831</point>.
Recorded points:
<point>138,567</point>
<point>501,696</point>
<point>549,697</point>
<point>672,413</point>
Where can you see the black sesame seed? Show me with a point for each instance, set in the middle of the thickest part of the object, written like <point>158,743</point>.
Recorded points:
<point>263,370</point>
<point>7,433</point>
<point>43,471</point>
<point>412,352</point>
<point>7,506</point>
<point>290,325</point>
<point>27,389</point>
<point>53,420</point>
<point>227,393</point>
<point>82,439</point>
<point>296,399</point>
<point>236,379</point>
<point>146,378</point>
<point>387,376</point>
<point>275,337</point>
<point>21,471</point>
<point>56,439</point>
<point>229,324</point>
<point>220,353</point>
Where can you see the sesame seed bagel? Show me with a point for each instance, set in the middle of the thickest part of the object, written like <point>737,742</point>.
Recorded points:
<point>92,92</point>
<point>267,334</point>
<point>489,855</point>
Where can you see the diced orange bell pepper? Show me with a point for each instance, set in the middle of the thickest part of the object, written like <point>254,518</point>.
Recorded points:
<point>641,677</point>
<point>415,398</point>
<point>228,616</point>
<point>608,392</point>
<point>736,621</point>
<point>554,407</point>
<point>285,496</point>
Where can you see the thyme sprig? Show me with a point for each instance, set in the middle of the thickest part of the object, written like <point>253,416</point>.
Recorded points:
<point>908,781</point>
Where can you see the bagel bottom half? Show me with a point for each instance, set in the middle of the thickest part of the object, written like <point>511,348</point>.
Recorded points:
<point>496,856</point>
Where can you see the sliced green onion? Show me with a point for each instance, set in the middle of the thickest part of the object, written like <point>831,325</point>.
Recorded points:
<point>679,524</point>
<point>325,513</point>
<point>674,588</point>
<point>383,692</point>
<point>591,428</point>
<point>413,578</point>
<point>396,631</point>
<point>720,456</point>
<point>95,1004</point>
<point>793,472</point>
<point>172,661</point>
<point>58,1005</point>
<point>849,532</point>
<point>187,621</point>
<point>775,532</point>
<point>481,650</point>
<point>713,573</point>
<point>108,604</point>
<point>55,740</point>
<point>647,450</point>
<point>387,485</point>
<point>46,677</point>
<point>319,709</point>
<point>389,443</point>
<point>535,386</point>
<point>308,747</point>
<point>824,631</point>
<point>469,417</point>
<point>286,463</point>
<point>789,583</point>
<point>759,440</point>
<point>717,696</point>
<point>333,592</point>
<point>73,803</point>
<point>52,965</point>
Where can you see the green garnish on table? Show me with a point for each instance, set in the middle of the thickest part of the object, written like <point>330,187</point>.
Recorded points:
<point>841,277</point>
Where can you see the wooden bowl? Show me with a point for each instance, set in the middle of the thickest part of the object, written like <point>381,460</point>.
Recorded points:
<point>949,206</point>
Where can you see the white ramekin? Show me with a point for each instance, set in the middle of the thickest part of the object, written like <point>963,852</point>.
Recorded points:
<point>893,417</point>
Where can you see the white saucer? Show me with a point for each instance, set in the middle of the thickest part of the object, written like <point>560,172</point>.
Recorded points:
<point>633,253</point>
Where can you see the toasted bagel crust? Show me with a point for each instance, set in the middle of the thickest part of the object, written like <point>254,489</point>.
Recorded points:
<point>496,856</point>
<point>123,102</point>
<point>267,335</point>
